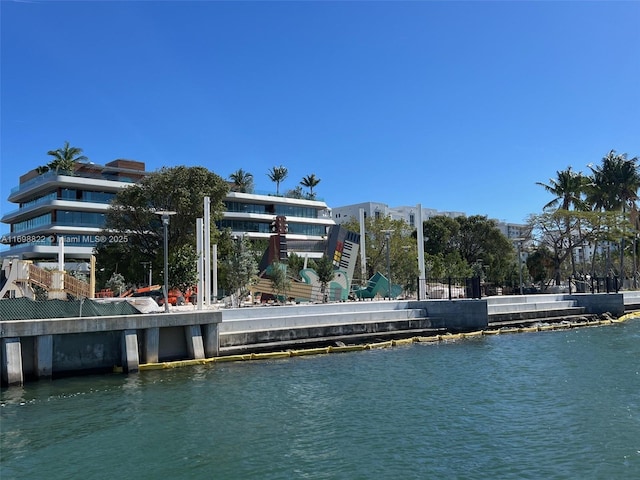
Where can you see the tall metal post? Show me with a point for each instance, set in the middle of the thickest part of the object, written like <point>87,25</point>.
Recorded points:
<point>165,223</point>
<point>387,234</point>
<point>200,263</point>
<point>207,252</point>
<point>165,214</point>
<point>520,264</point>
<point>422,287</point>
<point>363,248</point>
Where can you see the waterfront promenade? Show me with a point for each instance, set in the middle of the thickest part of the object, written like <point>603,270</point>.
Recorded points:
<point>45,348</point>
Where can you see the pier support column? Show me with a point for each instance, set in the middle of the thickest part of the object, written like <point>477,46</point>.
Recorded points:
<point>194,341</point>
<point>151,345</point>
<point>44,356</point>
<point>130,359</point>
<point>12,361</point>
<point>211,340</point>
<point>57,286</point>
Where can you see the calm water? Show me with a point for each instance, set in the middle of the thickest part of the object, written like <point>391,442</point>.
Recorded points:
<point>546,405</point>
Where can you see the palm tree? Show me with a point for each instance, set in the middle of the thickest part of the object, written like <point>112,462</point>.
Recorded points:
<point>310,181</point>
<point>614,187</point>
<point>568,189</point>
<point>242,181</point>
<point>65,158</point>
<point>277,175</point>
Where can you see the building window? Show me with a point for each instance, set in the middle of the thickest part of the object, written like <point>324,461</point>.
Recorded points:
<point>32,223</point>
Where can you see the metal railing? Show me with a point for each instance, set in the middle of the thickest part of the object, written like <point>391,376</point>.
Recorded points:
<point>451,287</point>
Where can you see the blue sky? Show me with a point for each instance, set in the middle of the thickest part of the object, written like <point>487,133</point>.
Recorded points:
<point>459,106</point>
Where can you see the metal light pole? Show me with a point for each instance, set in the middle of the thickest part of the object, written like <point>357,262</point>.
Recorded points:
<point>165,214</point>
<point>387,234</point>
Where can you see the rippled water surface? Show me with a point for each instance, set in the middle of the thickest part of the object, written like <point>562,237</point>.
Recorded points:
<point>562,404</point>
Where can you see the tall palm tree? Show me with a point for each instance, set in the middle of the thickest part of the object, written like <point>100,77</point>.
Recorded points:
<point>277,175</point>
<point>242,181</point>
<point>310,181</point>
<point>567,188</point>
<point>615,182</point>
<point>65,158</point>
<point>614,187</point>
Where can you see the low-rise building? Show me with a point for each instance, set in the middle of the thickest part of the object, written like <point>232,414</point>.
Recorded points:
<point>73,205</point>
<point>69,204</point>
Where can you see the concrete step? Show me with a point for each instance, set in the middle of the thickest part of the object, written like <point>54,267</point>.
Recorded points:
<point>279,322</point>
<point>573,318</point>
<point>312,342</point>
<point>535,314</point>
<point>538,298</point>
<point>526,307</point>
<point>311,333</point>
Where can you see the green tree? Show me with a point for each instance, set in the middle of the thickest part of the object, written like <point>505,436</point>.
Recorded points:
<point>239,269</point>
<point>558,232</point>
<point>310,181</point>
<point>132,214</point>
<point>181,266</point>
<point>242,181</point>
<point>614,187</point>
<point>454,245</point>
<point>402,249</point>
<point>116,283</point>
<point>540,264</point>
<point>278,175</point>
<point>324,269</point>
<point>568,189</point>
<point>64,159</point>
<point>295,264</point>
<point>279,279</point>
<point>295,193</point>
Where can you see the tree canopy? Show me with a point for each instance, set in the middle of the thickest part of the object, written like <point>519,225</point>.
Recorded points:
<point>63,159</point>
<point>132,212</point>
<point>278,175</point>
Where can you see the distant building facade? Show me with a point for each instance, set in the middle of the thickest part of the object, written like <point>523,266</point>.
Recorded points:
<point>349,213</point>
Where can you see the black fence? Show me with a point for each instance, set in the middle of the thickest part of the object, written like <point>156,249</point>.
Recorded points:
<point>594,285</point>
<point>457,287</point>
<point>451,287</point>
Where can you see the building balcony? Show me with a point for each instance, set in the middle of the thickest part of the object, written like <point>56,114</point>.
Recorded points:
<point>45,182</point>
<point>38,209</point>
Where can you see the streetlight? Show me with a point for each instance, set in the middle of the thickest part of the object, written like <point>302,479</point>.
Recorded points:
<point>165,214</point>
<point>387,234</point>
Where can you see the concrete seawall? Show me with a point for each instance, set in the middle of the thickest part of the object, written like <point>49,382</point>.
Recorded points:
<point>33,349</point>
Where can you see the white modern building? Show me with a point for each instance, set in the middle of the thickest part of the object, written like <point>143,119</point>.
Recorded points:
<point>69,204</point>
<point>251,215</point>
<point>74,204</point>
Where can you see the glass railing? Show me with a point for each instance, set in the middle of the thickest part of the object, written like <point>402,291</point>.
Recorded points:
<point>49,200</point>
<point>50,175</point>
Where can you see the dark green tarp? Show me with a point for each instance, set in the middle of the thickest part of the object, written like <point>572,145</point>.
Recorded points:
<point>25,309</point>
